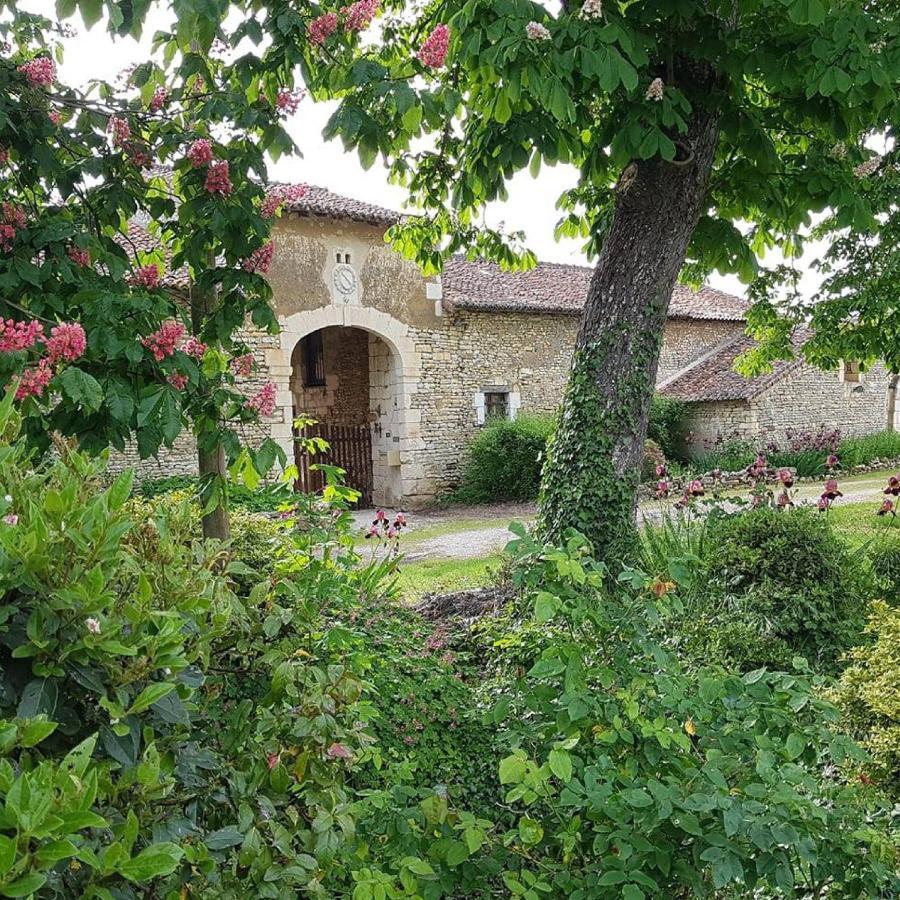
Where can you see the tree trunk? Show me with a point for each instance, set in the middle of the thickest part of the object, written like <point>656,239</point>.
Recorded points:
<point>210,460</point>
<point>593,462</point>
<point>891,401</point>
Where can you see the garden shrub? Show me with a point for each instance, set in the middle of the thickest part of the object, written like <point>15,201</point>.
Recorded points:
<point>793,574</point>
<point>505,460</point>
<point>653,457</point>
<point>266,497</point>
<point>667,424</point>
<point>155,727</point>
<point>884,559</point>
<point>625,776</point>
<point>869,698</point>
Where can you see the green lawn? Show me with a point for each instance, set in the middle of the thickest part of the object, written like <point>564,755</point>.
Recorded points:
<point>447,575</point>
<point>858,523</point>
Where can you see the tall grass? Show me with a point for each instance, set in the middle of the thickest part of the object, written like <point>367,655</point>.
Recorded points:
<point>860,451</point>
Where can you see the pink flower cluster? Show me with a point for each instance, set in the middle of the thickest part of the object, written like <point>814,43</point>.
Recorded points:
<point>145,277</point>
<point>288,101</point>
<point>177,380</point>
<point>79,255</point>
<point>19,335</point>
<point>4,156</point>
<point>322,27</point>
<point>163,343</point>
<point>66,343</point>
<point>217,178</point>
<point>263,401</point>
<point>195,348</point>
<point>200,153</point>
<point>278,196</point>
<point>12,218</point>
<point>260,259</point>
<point>242,366</point>
<point>40,72</point>
<point>119,130</point>
<point>54,116</point>
<point>360,14</point>
<point>383,527</point>
<point>158,100</point>
<point>33,382</point>
<point>433,53</point>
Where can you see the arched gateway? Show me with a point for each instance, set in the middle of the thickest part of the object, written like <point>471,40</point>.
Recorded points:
<point>355,369</point>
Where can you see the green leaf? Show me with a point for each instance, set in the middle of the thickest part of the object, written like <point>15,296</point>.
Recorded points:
<point>35,730</point>
<point>224,837</point>
<point>512,769</point>
<point>561,765</point>
<point>25,886</point>
<point>150,695</point>
<point>457,853</point>
<point>156,860</point>
<point>530,831</point>
<point>81,388</point>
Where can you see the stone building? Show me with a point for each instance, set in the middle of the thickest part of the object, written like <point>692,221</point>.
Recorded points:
<point>401,370</point>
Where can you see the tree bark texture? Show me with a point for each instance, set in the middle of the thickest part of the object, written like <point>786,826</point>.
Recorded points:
<point>592,470</point>
<point>210,461</point>
<point>891,401</point>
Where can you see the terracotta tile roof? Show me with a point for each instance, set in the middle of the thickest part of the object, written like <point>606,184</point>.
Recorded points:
<point>322,202</point>
<point>712,377</point>
<point>560,288</point>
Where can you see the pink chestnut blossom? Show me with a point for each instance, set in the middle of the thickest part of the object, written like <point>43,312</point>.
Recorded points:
<point>79,255</point>
<point>92,625</point>
<point>158,100</point>
<point>195,348</point>
<point>278,196</point>
<point>119,130</point>
<point>217,178</point>
<point>145,277</point>
<point>537,32</point>
<point>163,342</point>
<point>263,401</point>
<point>322,27</point>
<point>177,380</point>
<point>19,335</point>
<point>433,53</point>
<point>40,72</point>
<point>360,14</point>
<point>242,366</point>
<point>260,259</point>
<point>66,343</point>
<point>656,90</point>
<point>12,219</point>
<point>54,116</point>
<point>200,153</point>
<point>288,101</point>
<point>33,381</point>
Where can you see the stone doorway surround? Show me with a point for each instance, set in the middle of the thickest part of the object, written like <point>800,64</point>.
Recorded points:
<point>395,368</point>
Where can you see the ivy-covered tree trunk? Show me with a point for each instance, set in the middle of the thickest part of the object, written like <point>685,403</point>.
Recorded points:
<point>211,464</point>
<point>593,463</point>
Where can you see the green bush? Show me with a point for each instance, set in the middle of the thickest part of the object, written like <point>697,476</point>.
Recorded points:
<point>793,574</point>
<point>884,558</point>
<point>625,776</point>
<point>869,698</point>
<point>505,461</point>
<point>666,426</point>
<point>160,735</point>
<point>265,498</point>
<point>860,451</point>
<point>653,457</point>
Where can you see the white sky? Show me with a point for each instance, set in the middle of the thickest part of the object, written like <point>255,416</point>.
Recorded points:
<point>531,204</point>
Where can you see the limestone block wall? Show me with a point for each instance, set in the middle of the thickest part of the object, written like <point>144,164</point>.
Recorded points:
<point>808,397</point>
<point>685,340</point>
<point>727,419</point>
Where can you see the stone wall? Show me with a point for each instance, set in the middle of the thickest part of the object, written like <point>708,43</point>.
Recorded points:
<point>685,340</point>
<point>808,397</point>
<point>706,423</point>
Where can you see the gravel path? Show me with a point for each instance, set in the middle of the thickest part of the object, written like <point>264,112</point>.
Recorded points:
<point>470,532</point>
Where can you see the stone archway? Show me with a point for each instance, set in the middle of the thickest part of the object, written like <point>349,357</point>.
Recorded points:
<point>393,374</point>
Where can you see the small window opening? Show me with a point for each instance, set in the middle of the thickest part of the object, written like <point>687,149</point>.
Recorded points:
<point>496,405</point>
<point>851,372</point>
<point>313,355</point>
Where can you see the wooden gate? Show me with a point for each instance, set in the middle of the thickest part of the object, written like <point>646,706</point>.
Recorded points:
<point>349,447</point>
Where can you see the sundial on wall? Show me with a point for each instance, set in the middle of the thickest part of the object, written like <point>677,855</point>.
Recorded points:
<point>345,283</point>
